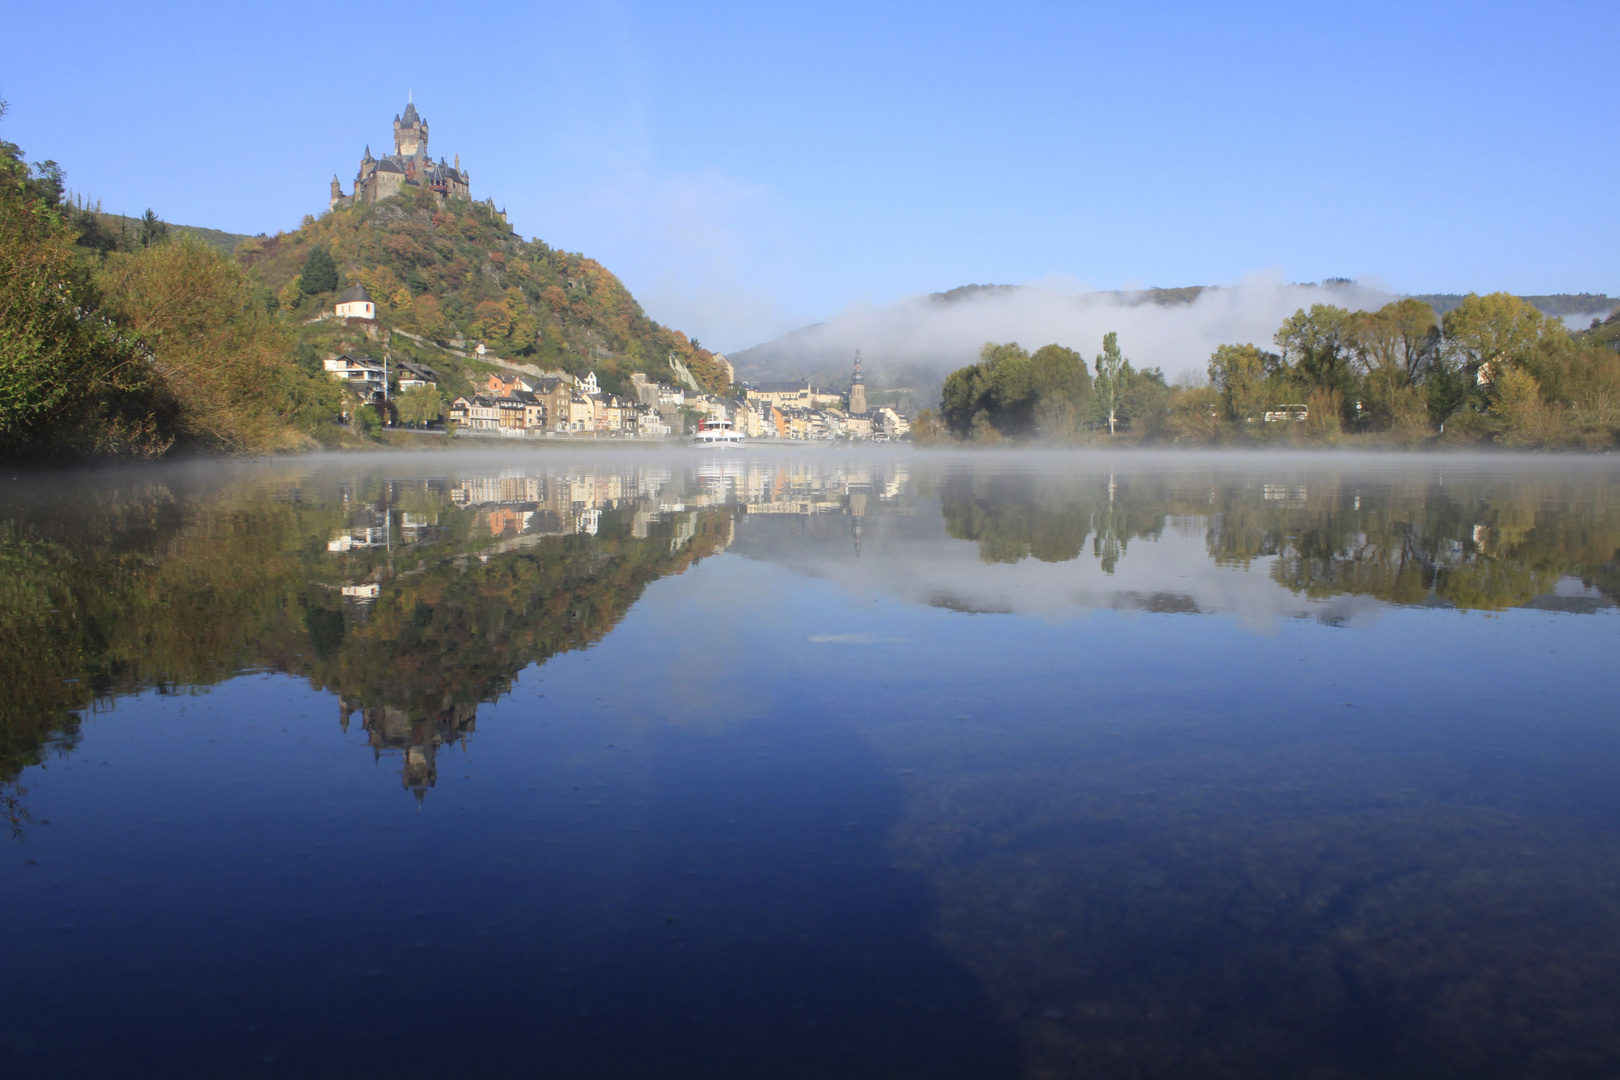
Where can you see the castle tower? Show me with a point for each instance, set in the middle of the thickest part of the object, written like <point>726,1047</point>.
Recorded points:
<point>857,389</point>
<point>410,134</point>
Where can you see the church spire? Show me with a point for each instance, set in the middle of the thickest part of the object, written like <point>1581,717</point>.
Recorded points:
<point>857,389</point>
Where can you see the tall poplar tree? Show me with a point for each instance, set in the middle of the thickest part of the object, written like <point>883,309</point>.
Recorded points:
<point>1112,372</point>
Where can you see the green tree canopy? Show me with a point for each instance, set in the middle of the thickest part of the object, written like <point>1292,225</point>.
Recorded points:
<point>320,272</point>
<point>419,405</point>
<point>1488,333</point>
<point>1062,387</point>
<point>1318,345</point>
<point>1245,377</point>
<point>997,392</point>
<point>69,382</point>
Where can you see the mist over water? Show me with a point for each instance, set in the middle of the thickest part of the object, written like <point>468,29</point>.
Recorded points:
<point>813,763</point>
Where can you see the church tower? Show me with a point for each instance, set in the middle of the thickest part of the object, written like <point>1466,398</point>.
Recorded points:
<point>857,389</point>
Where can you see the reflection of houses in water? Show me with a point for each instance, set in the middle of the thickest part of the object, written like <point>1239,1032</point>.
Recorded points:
<point>1289,496</point>
<point>417,740</point>
<point>418,528</point>
<point>510,486</point>
<point>372,527</point>
<point>357,537</point>
<point>524,509</point>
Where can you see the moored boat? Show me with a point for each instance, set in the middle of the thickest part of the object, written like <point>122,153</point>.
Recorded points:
<point>718,435</point>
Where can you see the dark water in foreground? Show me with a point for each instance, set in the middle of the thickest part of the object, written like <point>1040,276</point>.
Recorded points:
<point>812,767</point>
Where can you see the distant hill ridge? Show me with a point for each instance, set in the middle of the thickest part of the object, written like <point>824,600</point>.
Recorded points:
<point>123,232</point>
<point>1556,304</point>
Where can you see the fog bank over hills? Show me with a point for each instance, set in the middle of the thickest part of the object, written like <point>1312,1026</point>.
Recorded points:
<point>916,342</point>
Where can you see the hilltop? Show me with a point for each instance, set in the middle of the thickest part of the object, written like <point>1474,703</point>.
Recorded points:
<point>120,232</point>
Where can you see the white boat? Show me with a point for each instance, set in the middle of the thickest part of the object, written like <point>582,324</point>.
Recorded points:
<point>718,435</point>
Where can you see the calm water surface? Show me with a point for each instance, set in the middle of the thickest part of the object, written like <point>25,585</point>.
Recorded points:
<point>812,766</point>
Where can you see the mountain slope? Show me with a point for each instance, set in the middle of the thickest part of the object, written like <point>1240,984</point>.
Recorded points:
<point>456,274</point>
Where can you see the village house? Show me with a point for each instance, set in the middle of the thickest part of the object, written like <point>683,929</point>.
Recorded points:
<point>512,412</point>
<point>782,394</point>
<point>416,377</point>
<point>554,395</point>
<point>649,423</point>
<point>605,415</point>
<point>891,424</point>
<point>480,412</point>
<point>359,373</point>
<point>501,385</point>
<point>581,414</point>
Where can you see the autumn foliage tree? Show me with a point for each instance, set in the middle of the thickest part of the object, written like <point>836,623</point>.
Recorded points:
<point>223,360</point>
<point>70,382</point>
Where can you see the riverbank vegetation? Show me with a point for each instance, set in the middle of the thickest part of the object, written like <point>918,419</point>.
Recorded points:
<point>1492,370</point>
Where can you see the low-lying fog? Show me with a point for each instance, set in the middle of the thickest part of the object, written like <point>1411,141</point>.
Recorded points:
<point>918,341</point>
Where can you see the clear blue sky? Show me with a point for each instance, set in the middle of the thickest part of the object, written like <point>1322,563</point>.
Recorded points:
<point>749,167</point>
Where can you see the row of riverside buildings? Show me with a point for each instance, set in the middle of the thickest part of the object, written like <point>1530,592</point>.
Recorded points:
<point>514,404</point>
<point>558,404</point>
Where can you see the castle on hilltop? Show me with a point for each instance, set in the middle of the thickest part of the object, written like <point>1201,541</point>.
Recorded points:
<point>408,166</point>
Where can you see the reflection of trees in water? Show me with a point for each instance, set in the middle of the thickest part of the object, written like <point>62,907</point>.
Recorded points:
<point>1017,516</point>
<point>109,590</point>
<point>1477,544</point>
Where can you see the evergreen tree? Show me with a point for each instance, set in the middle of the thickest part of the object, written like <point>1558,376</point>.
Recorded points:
<point>153,230</point>
<point>320,272</point>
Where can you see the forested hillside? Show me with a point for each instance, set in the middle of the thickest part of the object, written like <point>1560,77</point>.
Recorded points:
<point>455,272</point>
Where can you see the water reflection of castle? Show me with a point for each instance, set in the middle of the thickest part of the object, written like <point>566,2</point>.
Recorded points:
<point>455,525</point>
<point>417,740</point>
